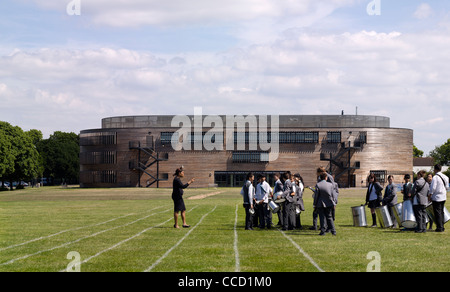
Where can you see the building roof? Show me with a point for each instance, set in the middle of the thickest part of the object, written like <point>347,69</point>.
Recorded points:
<point>285,121</point>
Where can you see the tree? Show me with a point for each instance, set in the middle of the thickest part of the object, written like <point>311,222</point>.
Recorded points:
<point>417,152</point>
<point>60,153</point>
<point>6,153</point>
<point>441,154</point>
<point>20,159</point>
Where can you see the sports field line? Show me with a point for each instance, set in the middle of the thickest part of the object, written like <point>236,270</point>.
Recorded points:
<point>236,250</point>
<point>68,230</point>
<point>79,239</point>
<point>302,251</point>
<point>126,240</point>
<point>179,242</point>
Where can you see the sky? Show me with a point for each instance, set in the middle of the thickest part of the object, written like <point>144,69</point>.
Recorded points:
<point>66,64</point>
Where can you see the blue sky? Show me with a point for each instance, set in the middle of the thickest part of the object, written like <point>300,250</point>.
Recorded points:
<point>62,72</point>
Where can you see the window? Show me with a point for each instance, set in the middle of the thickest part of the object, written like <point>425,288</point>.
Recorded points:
<point>105,157</point>
<point>222,179</point>
<point>250,157</point>
<point>333,137</point>
<point>166,137</point>
<point>380,175</point>
<point>102,176</point>
<point>362,139</point>
<point>298,137</point>
<point>102,138</point>
<point>283,137</point>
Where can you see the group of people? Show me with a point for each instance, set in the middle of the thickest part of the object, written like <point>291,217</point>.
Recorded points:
<point>425,190</point>
<point>288,194</point>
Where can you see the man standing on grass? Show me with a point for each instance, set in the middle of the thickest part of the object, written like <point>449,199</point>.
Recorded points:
<point>438,192</point>
<point>419,193</point>
<point>248,192</point>
<point>262,193</point>
<point>324,202</point>
<point>390,197</point>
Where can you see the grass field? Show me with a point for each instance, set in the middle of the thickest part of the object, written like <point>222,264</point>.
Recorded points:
<point>132,230</point>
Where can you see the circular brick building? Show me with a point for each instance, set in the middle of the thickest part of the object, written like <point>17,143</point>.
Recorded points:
<point>139,151</point>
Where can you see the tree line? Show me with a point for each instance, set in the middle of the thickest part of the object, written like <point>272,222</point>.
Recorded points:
<point>26,156</point>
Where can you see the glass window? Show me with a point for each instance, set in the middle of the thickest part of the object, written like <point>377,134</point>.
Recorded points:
<point>333,137</point>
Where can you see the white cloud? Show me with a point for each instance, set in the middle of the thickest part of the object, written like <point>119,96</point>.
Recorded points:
<point>423,11</point>
<point>403,76</point>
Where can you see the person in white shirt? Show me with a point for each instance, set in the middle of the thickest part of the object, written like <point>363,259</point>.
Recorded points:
<point>262,193</point>
<point>438,193</point>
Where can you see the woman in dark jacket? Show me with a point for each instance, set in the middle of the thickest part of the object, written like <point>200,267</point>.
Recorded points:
<point>177,197</point>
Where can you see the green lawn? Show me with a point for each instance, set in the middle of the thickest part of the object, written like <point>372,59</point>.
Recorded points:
<point>132,230</point>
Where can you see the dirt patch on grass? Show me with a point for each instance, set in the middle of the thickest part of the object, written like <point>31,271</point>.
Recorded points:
<point>199,197</point>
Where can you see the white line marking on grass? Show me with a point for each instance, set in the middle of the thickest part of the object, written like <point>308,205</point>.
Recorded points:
<point>77,240</point>
<point>302,251</point>
<point>126,240</point>
<point>236,251</point>
<point>67,230</point>
<point>179,242</point>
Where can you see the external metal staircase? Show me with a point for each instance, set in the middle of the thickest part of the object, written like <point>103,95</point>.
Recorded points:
<point>151,157</point>
<point>341,162</point>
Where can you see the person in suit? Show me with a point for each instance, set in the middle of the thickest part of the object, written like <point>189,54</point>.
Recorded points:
<point>324,202</point>
<point>248,193</point>
<point>373,196</point>
<point>419,194</point>
<point>278,187</point>
<point>177,197</point>
<point>390,197</point>
<point>277,194</point>
<point>330,179</point>
<point>407,186</point>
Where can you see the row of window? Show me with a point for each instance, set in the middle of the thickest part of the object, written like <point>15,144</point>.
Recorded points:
<point>246,137</point>
<point>250,157</point>
<point>104,157</point>
<point>110,138</point>
<point>101,138</point>
<point>99,176</point>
